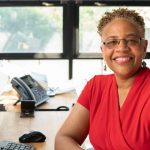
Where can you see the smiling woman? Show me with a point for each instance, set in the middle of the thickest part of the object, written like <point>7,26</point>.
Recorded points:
<point>113,109</point>
<point>123,56</point>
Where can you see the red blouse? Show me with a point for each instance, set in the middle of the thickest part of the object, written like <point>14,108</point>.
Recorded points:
<point>112,127</point>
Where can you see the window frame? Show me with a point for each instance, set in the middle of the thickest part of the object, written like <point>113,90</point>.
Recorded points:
<point>22,56</point>
<point>70,28</point>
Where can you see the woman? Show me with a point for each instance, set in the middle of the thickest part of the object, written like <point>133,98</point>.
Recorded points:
<point>114,109</point>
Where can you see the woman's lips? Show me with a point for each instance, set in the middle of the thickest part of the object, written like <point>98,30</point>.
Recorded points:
<point>122,60</point>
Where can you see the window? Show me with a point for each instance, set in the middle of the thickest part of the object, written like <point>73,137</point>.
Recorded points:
<point>89,40</point>
<point>31,29</point>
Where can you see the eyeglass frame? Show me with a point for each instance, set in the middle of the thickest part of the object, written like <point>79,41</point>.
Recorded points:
<point>126,42</point>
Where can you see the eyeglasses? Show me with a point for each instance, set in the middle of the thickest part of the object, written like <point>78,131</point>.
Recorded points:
<point>130,42</point>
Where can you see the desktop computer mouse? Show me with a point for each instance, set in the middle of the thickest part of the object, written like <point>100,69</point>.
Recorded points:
<point>34,136</point>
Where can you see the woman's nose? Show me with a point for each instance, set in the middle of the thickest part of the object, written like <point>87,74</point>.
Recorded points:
<point>122,45</point>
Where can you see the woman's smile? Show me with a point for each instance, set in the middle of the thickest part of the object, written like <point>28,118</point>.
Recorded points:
<point>122,59</point>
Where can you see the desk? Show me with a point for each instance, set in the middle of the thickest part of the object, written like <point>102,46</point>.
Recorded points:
<point>12,126</point>
<point>48,122</point>
<point>65,99</point>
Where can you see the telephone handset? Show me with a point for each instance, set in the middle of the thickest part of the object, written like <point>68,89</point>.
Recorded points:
<point>29,89</point>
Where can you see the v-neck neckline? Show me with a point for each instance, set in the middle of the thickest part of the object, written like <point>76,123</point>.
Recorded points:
<point>132,91</point>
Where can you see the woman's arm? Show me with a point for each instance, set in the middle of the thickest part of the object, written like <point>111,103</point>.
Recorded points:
<point>74,130</point>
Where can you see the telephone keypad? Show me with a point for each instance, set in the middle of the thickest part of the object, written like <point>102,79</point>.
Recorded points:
<point>39,93</point>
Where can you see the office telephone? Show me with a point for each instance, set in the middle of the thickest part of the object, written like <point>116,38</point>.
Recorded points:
<point>29,89</point>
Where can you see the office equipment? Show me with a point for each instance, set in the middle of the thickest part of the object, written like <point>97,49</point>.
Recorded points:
<point>2,107</point>
<point>27,108</point>
<point>51,92</point>
<point>29,89</point>
<point>10,145</point>
<point>33,136</point>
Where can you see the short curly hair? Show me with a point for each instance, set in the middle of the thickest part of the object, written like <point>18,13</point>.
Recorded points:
<point>125,13</point>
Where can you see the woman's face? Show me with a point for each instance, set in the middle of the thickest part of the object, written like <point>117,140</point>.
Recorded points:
<point>123,56</point>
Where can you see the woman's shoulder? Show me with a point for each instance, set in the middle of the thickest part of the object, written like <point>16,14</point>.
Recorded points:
<point>102,80</point>
<point>144,72</point>
<point>103,77</point>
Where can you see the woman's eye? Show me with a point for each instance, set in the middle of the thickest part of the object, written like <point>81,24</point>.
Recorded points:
<point>113,42</point>
<point>132,41</point>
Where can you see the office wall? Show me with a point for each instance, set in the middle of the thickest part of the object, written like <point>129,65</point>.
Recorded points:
<point>56,71</point>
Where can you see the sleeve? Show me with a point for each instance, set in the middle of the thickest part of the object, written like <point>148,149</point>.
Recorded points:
<point>85,96</point>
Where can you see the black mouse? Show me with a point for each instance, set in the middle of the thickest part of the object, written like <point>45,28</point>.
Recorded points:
<point>34,136</point>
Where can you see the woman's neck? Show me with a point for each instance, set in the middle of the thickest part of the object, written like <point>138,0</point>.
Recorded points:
<point>126,82</point>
